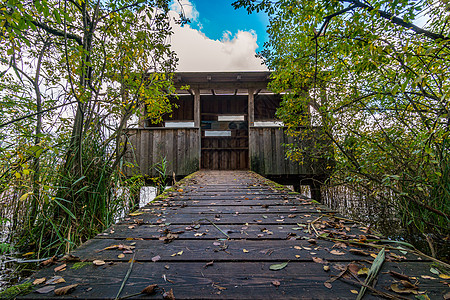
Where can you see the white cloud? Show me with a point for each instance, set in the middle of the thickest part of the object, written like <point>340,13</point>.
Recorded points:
<point>186,7</point>
<point>197,52</point>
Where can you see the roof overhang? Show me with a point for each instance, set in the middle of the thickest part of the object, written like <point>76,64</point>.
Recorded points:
<point>222,82</point>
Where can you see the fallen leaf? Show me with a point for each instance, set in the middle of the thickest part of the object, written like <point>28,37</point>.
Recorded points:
<point>327,284</point>
<point>49,261</point>
<point>277,267</point>
<point>27,254</point>
<point>444,276</point>
<point>169,295</point>
<point>298,247</point>
<point>326,268</point>
<point>39,280</point>
<point>65,290</point>
<point>336,252</point>
<point>45,289</point>
<point>318,260</point>
<point>180,253</point>
<point>121,255</point>
<point>434,271</point>
<point>156,258</point>
<point>363,271</point>
<point>208,264</point>
<point>149,290</point>
<point>245,250</point>
<point>400,290</point>
<point>423,297</point>
<point>358,252</point>
<point>136,213</point>
<point>354,292</point>
<point>98,262</point>
<point>55,280</point>
<point>60,268</point>
<point>399,275</point>
<point>276,283</point>
<point>297,256</point>
<point>428,277</point>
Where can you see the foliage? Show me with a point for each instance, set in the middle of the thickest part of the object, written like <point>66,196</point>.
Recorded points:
<point>378,87</point>
<point>17,290</point>
<point>72,74</point>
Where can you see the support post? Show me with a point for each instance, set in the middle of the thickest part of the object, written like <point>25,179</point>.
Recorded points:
<point>315,190</point>
<point>196,107</point>
<point>251,107</point>
<point>197,123</point>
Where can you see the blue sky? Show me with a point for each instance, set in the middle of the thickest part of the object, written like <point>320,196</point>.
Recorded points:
<point>217,16</point>
<point>218,38</point>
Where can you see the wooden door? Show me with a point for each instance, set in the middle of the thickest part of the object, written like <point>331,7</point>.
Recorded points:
<point>224,144</point>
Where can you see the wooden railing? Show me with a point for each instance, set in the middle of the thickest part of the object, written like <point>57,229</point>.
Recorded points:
<point>148,146</point>
<point>268,154</point>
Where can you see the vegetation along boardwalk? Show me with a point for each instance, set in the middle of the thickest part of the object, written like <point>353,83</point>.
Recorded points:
<point>236,235</point>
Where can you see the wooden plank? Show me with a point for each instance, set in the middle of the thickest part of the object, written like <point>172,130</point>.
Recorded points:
<point>243,280</point>
<point>231,250</point>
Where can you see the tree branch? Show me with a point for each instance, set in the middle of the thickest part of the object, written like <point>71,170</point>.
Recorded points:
<point>399,21</point>
<point>58,32</point>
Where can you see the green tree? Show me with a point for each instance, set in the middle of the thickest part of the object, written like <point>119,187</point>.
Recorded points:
<point>95,62</point>
<point>378,86</point>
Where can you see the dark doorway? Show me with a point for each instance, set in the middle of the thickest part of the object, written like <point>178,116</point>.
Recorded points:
<point>224,129</point>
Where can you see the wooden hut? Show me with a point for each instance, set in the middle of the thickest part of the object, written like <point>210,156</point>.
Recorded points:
<point>225,121</point>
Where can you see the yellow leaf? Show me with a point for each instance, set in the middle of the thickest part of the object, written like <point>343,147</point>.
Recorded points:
<point>28,254</point>
<point>25,196</point>
<point>138,213</point>
<point>17,174</point>
<point>298,247</point>
<point>354,292</point>
<point>245,250</point>
<point>444,276</point>
<point>297,256</point>
<point>121,255</point>
<point>180,253</point>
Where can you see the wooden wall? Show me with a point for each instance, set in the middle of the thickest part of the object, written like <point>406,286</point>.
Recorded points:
<point>147,147</point>
<point>268,155</point>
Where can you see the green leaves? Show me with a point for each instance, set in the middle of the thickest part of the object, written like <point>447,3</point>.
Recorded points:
<point>277,267</point>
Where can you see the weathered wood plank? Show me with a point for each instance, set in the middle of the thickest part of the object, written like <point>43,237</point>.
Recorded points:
<point>243,280</point>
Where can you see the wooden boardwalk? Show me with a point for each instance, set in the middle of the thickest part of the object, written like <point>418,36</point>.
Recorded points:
<point>218,234</point>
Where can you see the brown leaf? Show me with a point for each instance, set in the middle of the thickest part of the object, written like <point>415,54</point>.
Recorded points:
<point>65,290</point>
<point>149,290</point>
<point>354,268</point>
<point>312,241</point>
<point>336,252</point>
<point>276,283</point>
<point>169,295</point>
<point>49,261</point>
<point>70,258</point>
<point>98,262</point>
<point>39,280</point>
<point>398,275</point>
<point>409,285</point>
<point>327,284</point>
<point>358,252</point>
<point>55,280</point>
<point>318,260</point>
<point>60,268</point>
<point>400,290</point>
